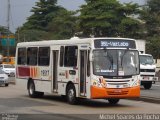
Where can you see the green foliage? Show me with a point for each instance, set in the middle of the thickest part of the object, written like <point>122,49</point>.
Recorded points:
<point>30,35</point>
<point>48,21</point>
<point>99,18</point>
<point>4,31</point>
<point>43,13</point>
<point>130,25</point>
<point>153,46</point>
<point>151,16</point>
<point>102,18</point>
<point>63,25</point>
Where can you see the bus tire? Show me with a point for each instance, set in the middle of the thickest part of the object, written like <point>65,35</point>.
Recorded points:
<point>40,94</point>
<point>6,85</point>
<point>148,85</point>
<point>63,97</point>
<point>31,90</point>
<point>113,101</point>
<point>71,94</point>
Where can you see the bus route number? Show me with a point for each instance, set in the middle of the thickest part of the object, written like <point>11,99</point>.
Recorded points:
<point>44,72</point>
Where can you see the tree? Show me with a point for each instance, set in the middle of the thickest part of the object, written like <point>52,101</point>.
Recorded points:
<point>108,18</point>
<point>151,16</point>
<point>4,30</point>
<point>43,13</point>
<point>63,25</point>
<point>48,21</point>
<point>153,44</point>
<point>26,35</point>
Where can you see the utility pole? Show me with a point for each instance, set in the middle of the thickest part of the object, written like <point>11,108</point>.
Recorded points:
<point>8,14</point>
<point>8,27</point>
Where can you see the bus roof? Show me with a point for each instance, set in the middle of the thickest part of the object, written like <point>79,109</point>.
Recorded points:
<point>74,40</point>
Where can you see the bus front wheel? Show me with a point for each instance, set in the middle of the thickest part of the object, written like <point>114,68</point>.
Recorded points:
<point>113,101</point>
<point>31,91</point>
<point>71,94</point>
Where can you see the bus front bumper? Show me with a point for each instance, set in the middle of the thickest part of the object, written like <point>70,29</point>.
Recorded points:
<point>104,93</point>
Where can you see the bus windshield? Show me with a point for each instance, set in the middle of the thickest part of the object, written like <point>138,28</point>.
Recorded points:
<point>113,62</point>
<point>144,60</point>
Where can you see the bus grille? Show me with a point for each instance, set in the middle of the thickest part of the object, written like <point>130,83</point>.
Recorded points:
<point>117,81</point>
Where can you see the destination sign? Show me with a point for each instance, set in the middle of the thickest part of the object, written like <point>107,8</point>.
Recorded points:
<point>116,43</point>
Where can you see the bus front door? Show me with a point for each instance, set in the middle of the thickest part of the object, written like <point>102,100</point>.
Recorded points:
<point>55,66</point>
<point>83,65</point>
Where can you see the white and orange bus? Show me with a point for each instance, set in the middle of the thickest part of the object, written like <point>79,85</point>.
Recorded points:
<point>92,68</point>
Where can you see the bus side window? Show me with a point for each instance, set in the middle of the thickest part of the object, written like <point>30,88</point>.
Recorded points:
<point>21,56</point>
<point>70,58</point>
<point>61,55</point>
<point>32,55</point>
<point>43,56</point>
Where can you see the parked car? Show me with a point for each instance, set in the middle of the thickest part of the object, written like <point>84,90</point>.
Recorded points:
<point>8,69</point>
<point>3,78</point>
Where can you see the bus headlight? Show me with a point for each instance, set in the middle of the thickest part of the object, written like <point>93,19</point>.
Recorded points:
<point>136,83</point>
<point>97,83</point>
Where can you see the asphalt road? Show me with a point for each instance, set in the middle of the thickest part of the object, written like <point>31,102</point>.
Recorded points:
<point>152,95</point>
<point>15,103</point>
<point>153,92</point>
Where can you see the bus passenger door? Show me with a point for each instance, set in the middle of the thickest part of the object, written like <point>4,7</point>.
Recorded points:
<point>83,66</point>
<point>55,70</point>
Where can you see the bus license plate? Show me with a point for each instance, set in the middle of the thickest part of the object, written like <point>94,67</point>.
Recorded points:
<point>117,91</point>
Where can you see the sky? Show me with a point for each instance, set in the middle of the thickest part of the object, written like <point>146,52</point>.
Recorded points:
<point>20,10</point>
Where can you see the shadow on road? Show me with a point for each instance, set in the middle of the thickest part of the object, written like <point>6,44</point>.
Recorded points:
<point>101,103</point>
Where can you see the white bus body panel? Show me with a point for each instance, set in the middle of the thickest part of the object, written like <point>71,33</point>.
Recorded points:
<point>43,86</point>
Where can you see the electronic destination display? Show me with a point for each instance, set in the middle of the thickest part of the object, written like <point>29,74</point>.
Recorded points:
<point>115,43</point>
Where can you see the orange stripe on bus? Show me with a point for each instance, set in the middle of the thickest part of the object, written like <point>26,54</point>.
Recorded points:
<point>30,72</point>
<point>33,72</point>
<point>97,92</point>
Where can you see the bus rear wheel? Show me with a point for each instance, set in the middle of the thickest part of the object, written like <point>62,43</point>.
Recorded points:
<point>71,94</point>
<point>113,101</point>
